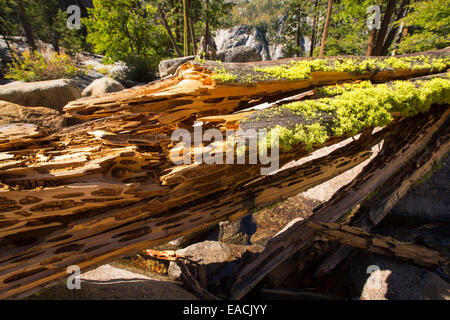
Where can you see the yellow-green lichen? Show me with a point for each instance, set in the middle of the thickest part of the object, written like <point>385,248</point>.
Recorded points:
<point>361,106</point>
<point>299,70</point>
<point>224,77</point>
<point>221,74</point>
<point>294,71</point>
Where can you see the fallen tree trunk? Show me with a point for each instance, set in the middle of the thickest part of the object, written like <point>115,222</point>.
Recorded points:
<point>382,245</point>
<point>99,190</point>
<point>377,205</point>
<point>404,143</point>
<point>98,246</point>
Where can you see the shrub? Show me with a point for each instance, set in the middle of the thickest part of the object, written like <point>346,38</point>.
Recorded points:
<point>37,66</point>
<point>141,69</point>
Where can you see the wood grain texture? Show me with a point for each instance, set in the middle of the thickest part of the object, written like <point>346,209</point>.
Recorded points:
<point>99,190</point>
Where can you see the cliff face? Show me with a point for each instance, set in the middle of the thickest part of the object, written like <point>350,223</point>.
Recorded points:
<point>255,37</point>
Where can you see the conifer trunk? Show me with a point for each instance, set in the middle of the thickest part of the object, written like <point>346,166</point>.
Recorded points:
<point>325,28</point>
<point>314,30</point>
<point>186,28</point>
<point>384,27</point>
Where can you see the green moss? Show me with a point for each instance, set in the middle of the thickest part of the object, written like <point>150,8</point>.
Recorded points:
<point>332,91</point>
<point>300,70</point>
<point>221,75</point>
<point>224,77</point>
<point>294,71</point>
<point>359,106</point>
<point>309,135</point>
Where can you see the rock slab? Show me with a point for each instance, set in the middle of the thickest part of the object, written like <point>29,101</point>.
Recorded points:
<point>111,283</point>
<point>41,116</point>
<point>101,87</point>
<point>54,94</point>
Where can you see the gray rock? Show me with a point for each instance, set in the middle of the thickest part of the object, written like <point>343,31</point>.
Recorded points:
<point>169,67</point>
<point>101,87</point>
<point>243,36</point>
<point>174,271</point>
<point>111,283</point>
<point>270,47</point>
<point>186,240</point>
<point>53,94</point>
<point>429,198</point>
<point>96,68</point>
<point>236,232</point>
<point>382,278</point>
<point>214,263</point>
<point>207,252</point>
<point>240,54</point>
<point>211,253</point>
<point>41,116</point>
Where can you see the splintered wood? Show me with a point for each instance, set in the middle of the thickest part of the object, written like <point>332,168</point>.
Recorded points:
<point>92,192</point>
<point>357,237</point>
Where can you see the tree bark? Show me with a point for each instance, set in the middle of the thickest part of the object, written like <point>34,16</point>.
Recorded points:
<point>387,246</point>
<point>88,193</point>
<point>314,30</point>
<point>325,28</point>
<point>26,25</point>
<point>404,142</point>
<point>384,27</point>
<point>392,33</point>
<point>186,28</point>
<point>163,20</point>
<point>370,47</point>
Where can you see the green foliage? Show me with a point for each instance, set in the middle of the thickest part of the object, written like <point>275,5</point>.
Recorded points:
<point>217,14</point>
<point>224,77</point>
<point>430,21</point>
<point>332,91</point>
<point>422,42</point>
<point>348,33</point>
<point>37,67</point>
<point>48,21</point>
<point>8,22</point>
<point>126,30</point>
<point>297,23</point>
<point>264,14</point>
<point>294,71</point>
<point>50,25</point>
<point>72,41</point>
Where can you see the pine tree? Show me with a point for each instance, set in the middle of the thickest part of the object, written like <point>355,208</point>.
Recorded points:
<point>325,28</point>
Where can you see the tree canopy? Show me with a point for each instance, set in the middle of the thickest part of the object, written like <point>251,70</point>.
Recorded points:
<point>142,33</point>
